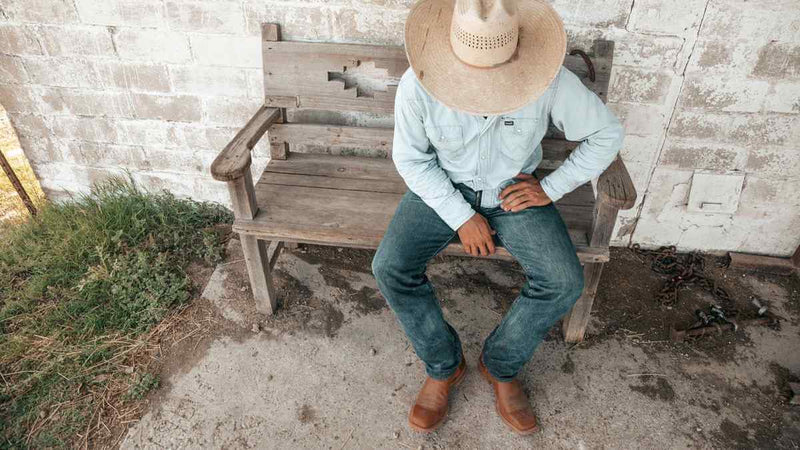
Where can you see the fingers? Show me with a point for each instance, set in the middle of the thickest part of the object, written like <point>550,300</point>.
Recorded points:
<point>511,188</point>
<point>514,198</point>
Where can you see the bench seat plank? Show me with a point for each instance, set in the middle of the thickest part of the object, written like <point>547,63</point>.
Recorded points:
<point>334,200</point>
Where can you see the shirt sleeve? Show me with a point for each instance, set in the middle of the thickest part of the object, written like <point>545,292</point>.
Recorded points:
<point>583,118</point>
<point>416,162</point>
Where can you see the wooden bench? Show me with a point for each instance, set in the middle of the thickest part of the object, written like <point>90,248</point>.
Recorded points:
<point>332,199</point>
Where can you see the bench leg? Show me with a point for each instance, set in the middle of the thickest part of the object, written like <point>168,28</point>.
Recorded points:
<point>257,259</point>
<point>574,323</point>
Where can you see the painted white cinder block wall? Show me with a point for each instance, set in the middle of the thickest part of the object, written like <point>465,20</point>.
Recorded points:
<point>158,87</point>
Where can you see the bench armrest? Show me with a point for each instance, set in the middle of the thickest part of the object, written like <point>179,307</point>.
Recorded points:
<point>615,188</point>
<point>234,159</point>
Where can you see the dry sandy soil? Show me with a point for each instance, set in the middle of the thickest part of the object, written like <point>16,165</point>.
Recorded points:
<point>332,369</point>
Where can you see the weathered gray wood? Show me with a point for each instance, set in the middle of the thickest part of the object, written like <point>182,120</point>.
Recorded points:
<point>615,187</point>
<point>761,263</point>
<point>258,269</point>
<point>273,252</point>
<point>374,138</point>
<point>234,160</point>
<point>358,216</point>
<point>605,217</point>
<point>299,74</point>
<point>243,196</point>
<point>574,323</point>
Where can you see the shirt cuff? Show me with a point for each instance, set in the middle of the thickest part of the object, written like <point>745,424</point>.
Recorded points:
<point>455,211</point>
<point>552,192</point>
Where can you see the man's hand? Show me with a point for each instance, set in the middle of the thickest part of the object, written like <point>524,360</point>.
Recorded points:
<point>476,236</point>
<point>523,194</point>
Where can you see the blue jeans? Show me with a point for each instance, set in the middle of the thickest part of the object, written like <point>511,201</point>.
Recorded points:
<point>536,237</point>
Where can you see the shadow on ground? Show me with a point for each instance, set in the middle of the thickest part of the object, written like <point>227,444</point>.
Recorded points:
<point>332,368</point>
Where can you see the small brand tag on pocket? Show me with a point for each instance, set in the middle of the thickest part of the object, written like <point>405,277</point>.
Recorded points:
<point>508,123</point>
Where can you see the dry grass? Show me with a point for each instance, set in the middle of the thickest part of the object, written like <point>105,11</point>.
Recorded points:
<point>11,207</point>
<point>92,291</point>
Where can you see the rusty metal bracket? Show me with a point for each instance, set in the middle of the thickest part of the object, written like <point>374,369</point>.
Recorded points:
<point>587,60</point>
<point>23,195</point>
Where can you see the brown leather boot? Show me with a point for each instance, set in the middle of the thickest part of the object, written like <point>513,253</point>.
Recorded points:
<point>511,403</point>
<point>430,409</point>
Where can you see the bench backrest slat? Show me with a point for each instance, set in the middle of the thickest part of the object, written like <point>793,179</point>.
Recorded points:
<point>363,78</point>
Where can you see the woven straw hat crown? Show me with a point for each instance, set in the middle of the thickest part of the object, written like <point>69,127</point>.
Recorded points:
<point>484,33</point>
<point>485,56</point>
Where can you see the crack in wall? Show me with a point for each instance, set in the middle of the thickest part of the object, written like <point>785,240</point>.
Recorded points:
<point>672,114</point>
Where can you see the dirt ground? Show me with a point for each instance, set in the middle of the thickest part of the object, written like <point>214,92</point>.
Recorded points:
<point>332,369</point>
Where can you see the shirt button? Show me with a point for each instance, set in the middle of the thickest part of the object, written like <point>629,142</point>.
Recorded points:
<point>479,179</point>
<point>483,156</point>
<point>519,131</point>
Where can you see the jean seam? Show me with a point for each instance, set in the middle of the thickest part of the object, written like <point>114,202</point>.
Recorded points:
<point>510,250</point>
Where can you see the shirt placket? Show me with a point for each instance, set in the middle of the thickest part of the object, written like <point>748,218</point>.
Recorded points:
<point>484,153</point>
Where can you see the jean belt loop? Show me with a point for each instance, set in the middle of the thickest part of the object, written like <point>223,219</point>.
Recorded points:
<point>478,197</point>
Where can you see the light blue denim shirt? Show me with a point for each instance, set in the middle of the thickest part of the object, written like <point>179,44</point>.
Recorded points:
<point>435,146</point>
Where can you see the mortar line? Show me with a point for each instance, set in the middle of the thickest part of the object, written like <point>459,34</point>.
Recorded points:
<point>671,119</point>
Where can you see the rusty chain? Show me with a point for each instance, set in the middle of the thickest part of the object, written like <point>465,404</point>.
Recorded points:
<point>683,270</point>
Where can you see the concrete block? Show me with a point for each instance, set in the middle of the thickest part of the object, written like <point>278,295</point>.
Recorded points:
<point>641,149</point>
<point>12,71</point>
<point>147,133</point>
<point>736,128</point>
<point>680,154</point>
<point>664,206</point>
<point>778,60</point>
<point>143,13</point>
<point>629,84</point>
<point>206,16</point>
<point>171,161</point>
<point>179,108</point>
<point>43,150</point>
<point>775,161</point>
<point>763,195</point>
<point>297,22</point>
<point>19,40</point>
<point>72,40</point>
<point>63,72</point>
<point>383,27</point>
<point>642,119</point>
<point>84,102</point>
<point>41,11</point>
<point>108,155</point>
<point>255,83</point>
<point>234,112</point>
<point>784,97</point>
<point>152,45</point>
<point>631,49</point>
<point>228,51</point>
<point>666,16</point>
<point>33,126</point>
<point>755,21</point>
<point>594,13</point>
<point>222,81</point>
<point>142,77</point>
<point>91,129</point>
<point>19,99</point>
<point>723,93</point>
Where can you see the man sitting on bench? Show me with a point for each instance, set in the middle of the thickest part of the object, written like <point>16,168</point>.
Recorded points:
<point>485,81</point>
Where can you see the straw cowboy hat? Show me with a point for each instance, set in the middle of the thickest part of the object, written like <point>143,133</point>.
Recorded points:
<point>485,56</point>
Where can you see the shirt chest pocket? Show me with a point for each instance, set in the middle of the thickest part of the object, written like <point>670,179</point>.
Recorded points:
<point>447,139</point>
<point>516,137</point>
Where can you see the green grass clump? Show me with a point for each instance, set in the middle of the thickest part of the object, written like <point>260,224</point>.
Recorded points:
<point>80,285</point>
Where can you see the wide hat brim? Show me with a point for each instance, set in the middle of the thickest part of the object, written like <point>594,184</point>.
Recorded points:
<point>485,90</point>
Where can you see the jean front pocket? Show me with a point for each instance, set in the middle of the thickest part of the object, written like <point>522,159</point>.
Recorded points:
<point>447,139</point>
<point>516,137</point>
